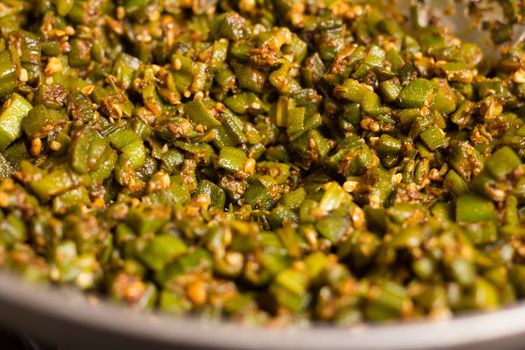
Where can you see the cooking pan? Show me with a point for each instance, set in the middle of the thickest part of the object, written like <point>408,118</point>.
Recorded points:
<point>71,321</point>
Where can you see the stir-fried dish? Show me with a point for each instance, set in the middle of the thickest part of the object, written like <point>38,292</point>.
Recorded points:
<point>266,161</point>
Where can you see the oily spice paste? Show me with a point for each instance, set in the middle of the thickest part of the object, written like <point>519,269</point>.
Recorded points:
<point>267,161</point>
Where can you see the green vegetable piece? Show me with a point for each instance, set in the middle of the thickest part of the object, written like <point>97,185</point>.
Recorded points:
<point>64,6</point>
<point>80,53</point>
<point>333,197</point>
<point>463,271</point>
<point>148,220</point>
<point>244,102</point>
<point>13,112</point>
<point>125,67</point>
<point>332,227</point>
<point>16,153</point>
<point>418,92</point>
<point>230,25</point>
<point>70,199</point>
<point>173,303</point>
<point>390,90</point>
<point>465,159</point>
<point>315,264</point>
<point>434,138</point>
<point>88,151</point>
<point>289,289</point>
<point>259,196</point>
<point>54,183</point>
<point>6,169</point>
<point>388,145</point>
<point>502,162</point>
<point>216,194</point>
<point>293,281</point>
<point>294,198</point>
<point>8,79</point>
<point>12,230</point>
<point>455,183</point>
<point>40,121</point>
<point>482,232</point>
<point>444,98</point>
<point>387,301</point>
<point>360,93</point>
<point>232,159</point>
<point>250,78</point>
<point>485,295</point>
<point>131,147</point>
<point>471,208</point>
<point>161,250</point>
<point>199,114</point>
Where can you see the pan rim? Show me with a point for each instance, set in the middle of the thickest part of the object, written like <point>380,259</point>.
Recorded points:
<point>63,304</point>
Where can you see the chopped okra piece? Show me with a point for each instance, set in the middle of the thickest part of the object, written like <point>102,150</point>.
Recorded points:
<point>232,159</point>
<point>40,121</point>
<point>8,80</point>
<point>455,183</point>
<point>434,138</point>
<point>200,115</point>
<point>470,208</point>
<point>161,250</point>
<point>418,92</point>
<point>14,110</point>
<point>214,193</point>
<point>390,90</point>
<point>503,161</point>
<point>363,94</point>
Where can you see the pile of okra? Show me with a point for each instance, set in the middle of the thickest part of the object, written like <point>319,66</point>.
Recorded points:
<point>270,162</point>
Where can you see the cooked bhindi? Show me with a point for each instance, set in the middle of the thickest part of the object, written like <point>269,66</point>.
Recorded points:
<point>263,161</point>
